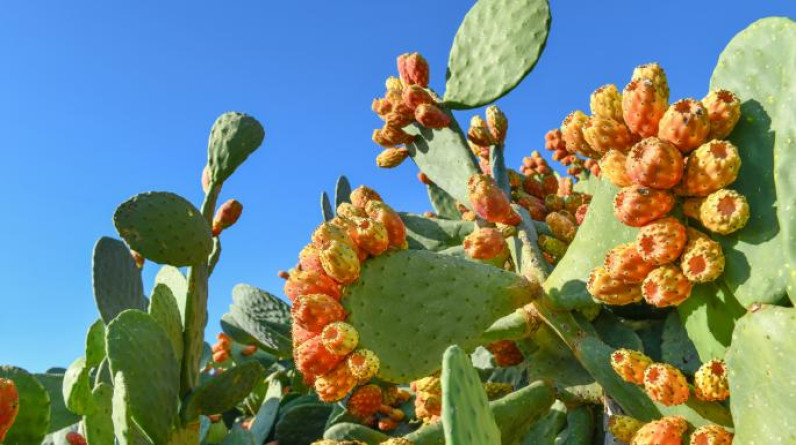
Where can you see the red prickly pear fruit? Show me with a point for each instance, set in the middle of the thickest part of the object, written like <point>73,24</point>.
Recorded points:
<point>392,157</point>
<point>479,133</point>
<point>313,312</point>
<point>655,163</point>
<point>643,107</point>
<point>661,241</point>
<point>489,201</point>
<point>9,405</point>
<point>710,381</point>
<point>75,438</point>
<point>626,264</point>
<point>666,384</point>
<point>226,216</point>
<point>301,335</point>
<point>623,427</point>
<point>485,244</point>
<point>138,258</point>
<point>554,140</point>
<point>709,168</point>
<point>364,402</point>
<point>339,338</point>
<point>685,124</point>
<point>603,134</point>
<point>666,286</point>
<point>630,365</point>
<point>724,111</point>
<point>361,195</point>
<point>656,74</point>
<point>665,431</point>
<point>498,123</point>
<point>506,353</point>
<point>396,230</point>
<point>363,364</point>
<point>305,282</point>
<point>572,132</point>
<point>533,186</point>
<point>606,102</point>
<point>310,259</point>
<point>334,385</point>
<point>580,214</point>
<point>330,231</point>
<point>549,184</point>
<point>414,96</point>
<point>562,226</point>
<point>711,434</point>
<point>609,290</point>
<point>313,359</point>
<point>431,116</point>
<point>248,350</point>
<point>613,167</point>
<point>389,136</point>
<point>532,204</point>
<point>340,262</point>
<point>723,211</point>
<point>370,236</point>
<point>636,206</point>
<point>413,69</point>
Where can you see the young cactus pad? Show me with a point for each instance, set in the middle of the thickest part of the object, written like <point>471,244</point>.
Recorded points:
<point>233,138</point>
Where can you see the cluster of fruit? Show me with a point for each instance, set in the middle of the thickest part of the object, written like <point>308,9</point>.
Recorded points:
<point>428,396</point>
<point>374,405</point>
<point>666,430</point>
<point>325,346</point>
<point>222,348</point>
<point>554,141</point>
<point>681,154</point>
<point>484,135</point>
<point>406,100</point>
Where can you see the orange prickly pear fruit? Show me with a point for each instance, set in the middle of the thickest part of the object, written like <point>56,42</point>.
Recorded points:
<point>364,402</point>
<point>431,116</point>
<point>666,286</point>
<point>363,364</point>
<point>554,140</point>
<point>656,74</point>
<point>685,124</point>
<point>709,168</point>
<point>723,211</point>
<point>724,111</point>
<point>392,157</point>
<point>248,350</point>
<point>309,259</point>
<point>304,282</point>
<point>506,353</point>
<point>381,106</point>
<point>562,226</point>
<point>380,212</point>
<point>703,259</point>
<point>661,241</point>
<point>665,431</point>
<point>489,201</point>
<point>636,206</point>
<point>711,435</point>
<point>362,195</point>
<point>413,69</point>
<point>532,204</point>
<point>666,384</point>
<point>335,384</point>
<point>612,165</point>
<point>655,163</point>
<point>389,136</point>
<point>339,338</point>
<point>314,311</point>
<point>643,107</point>
<point>710,381</point>
<point>485,244</point>
<point>532,184</point>
<point>612,291</point>
<point>313,359</point>
<point>606,102</point>
<point>75,438</point>
<point>414,96</point>
<point>300,335</point>
<point>626,264</point>
<point>398,117</point>
<point>498,124</point>
<point>603,134</point>
<point>370,235</point>
<point>572,132</point>
<point>630,365</point>
<point>9,405</point>
<point>623,427</point>
<point>220,356</point>
<point>479,133</point>
<point>226,216</point>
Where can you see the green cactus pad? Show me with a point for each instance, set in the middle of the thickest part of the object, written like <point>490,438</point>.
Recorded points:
<point>125,428</point>
<point>266,415</point>
<point>400,298</point>
<point>164,228</point>
<point>342,191</point>
<point>233,138</point>
<point>140,350</point>
<point>33,418</point>
<point>525,250</point>
<point>544,432</point>
<point>354,431</point>
<point>580,427</point>
<point>238,436</point>
<point>222,392</point>
<point>757,66</point>
<point>77,387</point>
<point>599,233</point>
<point>60,416</point>
<point>709,316</point>
<point>434,234</point>
<point>614,332</point>
<point>443,203</point>
<point>302,424</point>
<point>264,316</point>
<point>99,423</point>
<point>677,348</point>
<point>497,163</point>
<point>116,279</point>
<point>443,155</point>
<point>466,417</point>
<point>177,284</point>
<point>327,213</point>
<point>95,344</point>
<point>496,46</point>
<point>163,308</point>
<point>760,363</point>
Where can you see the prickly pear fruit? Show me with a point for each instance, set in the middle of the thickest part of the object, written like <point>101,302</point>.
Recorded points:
<point>9,406</point>
<point>309,259</point>
<point>572,132</point>
<point>327,232</point>
<point>489,201</point>
<point>386,424</point>
<point>497,123</point>
<point>392,157</point>
<point>665,431</point>
<point>532,204</point>
<point>380,212</point>
<point>414,95</point>
<point>606,102</point>
<point>390,136</point>
<point>630,365</point>
<point>361,195</point>
<point>655,163</point>
<point>413,69</point>
<point>666,286</point>
<point>562,226</point>
<point>363,364</point>
<point>626,264</point>
<point>396,441</point>
<point>623,427</point>
<point>685,124</point>
<point>393,84</point>
<point>724,110</point>
<point>496,390</point>
<point>703,259</point>
<point>341,262</point>
<point>711,435</point>
<point>642,107</point>
<point>369,235</point>
<point>636,206</point>
<point>428,398</point>
<point>723,211</point>
<point>226,216</point>
<point>656,74</point>
<point>339,338</point>
<point>304,282</point>
<point>506,353</point>
<point>300,335</point>
<point>334,385</point>
<point>666,384</point>
<point>431,116</point>
<point>313,359</point>
<point>314,311</point>
<point>580,213</point>
<point>348,210</point>
<point>711,167</point>
<point>603,134</point>
<point>612,291</point>
<point>479,133</point>
<point>661,241</point>
<point>364,402</point>
<point>553,246</point>
<point>613,167</point>
<point>75,438</point>
<point>710,381</point>
<point>485,244</point>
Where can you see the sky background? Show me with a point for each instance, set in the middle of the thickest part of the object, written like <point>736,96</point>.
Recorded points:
<point>103,100</point>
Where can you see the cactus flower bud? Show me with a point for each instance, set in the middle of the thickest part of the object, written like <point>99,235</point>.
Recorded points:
<point>283,274</point>
<point>423,178</point>
<point>226,216</point>
<point>413,69</point>
<point>431,116</point>
<point>392,157</point>
<point>497,123</point>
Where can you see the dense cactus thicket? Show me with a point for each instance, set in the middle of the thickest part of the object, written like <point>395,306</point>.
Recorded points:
<point>645,297</point>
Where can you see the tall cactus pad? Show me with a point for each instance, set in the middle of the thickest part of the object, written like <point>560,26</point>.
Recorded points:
<point>77,387</point>
<point>177,284</point>
<point>33,418</point>
<point>140,350</point>
<point>233,138</point>
<point>164,228</point>
<point>125,428</point>
<point>99,423</point>
<point>496,46</point>
<point>116,279</point>
<point>761,361</point>
<point>466,417</point>
<point>263,316</point>
<point>342,191</point>
<point>163,308</point>
<point>758,65</point>
<point>401,299</point>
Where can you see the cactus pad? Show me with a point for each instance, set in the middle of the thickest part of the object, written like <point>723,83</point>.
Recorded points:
<point>77,387</point>
<point>116,279</point>
<point>222,392</point>
<point>99,423</point>
<point>342,191</point>
<point>233,138</point>
<point>177,284</point>
<point>263,316</point>
<point>125,428</point>
<point>677,349</point>
<point>434,234</point>
<point>33,419</point>
<point>302,424</point>
<point>163,308</point>
<point>60,416</point>
<point>443,203</point>
<point>709,316</point>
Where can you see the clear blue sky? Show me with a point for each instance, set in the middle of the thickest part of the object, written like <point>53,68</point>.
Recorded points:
<point>102,100</point>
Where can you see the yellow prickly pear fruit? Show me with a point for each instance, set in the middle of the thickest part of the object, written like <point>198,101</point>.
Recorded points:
<point>612,166</point>
<point>724,211</point>
<point>711,167</point>
<point>606,102</point>
<point>390,136</point>
<point>361,195</point>
<point>703,260</point>
<point>710,381</point>
<point>340,262</point>
<point>396,441</point>
<point>363,364</point>
<point>350,211</point>
<point>496,390</point>
<point>624,427</point>
<point>666,384</point>
<point>498,123</point>
<point>370,235</point>
<point>572,133</point>
<point>327,232</point>
<point>603,134</point>
<point>339,338</point>
<point>612,291</point>
<point>392,157</point>
<point>382,213</point>
<point>335,384</point>
<point>479,133</point>
<point>724,111</point>
<point>393,84</point>
<point>656,74</point>
<point>666,286</point>
<point>630,365</point>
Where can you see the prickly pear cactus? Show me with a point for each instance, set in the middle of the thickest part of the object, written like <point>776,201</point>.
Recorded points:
<point>233,138</point>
